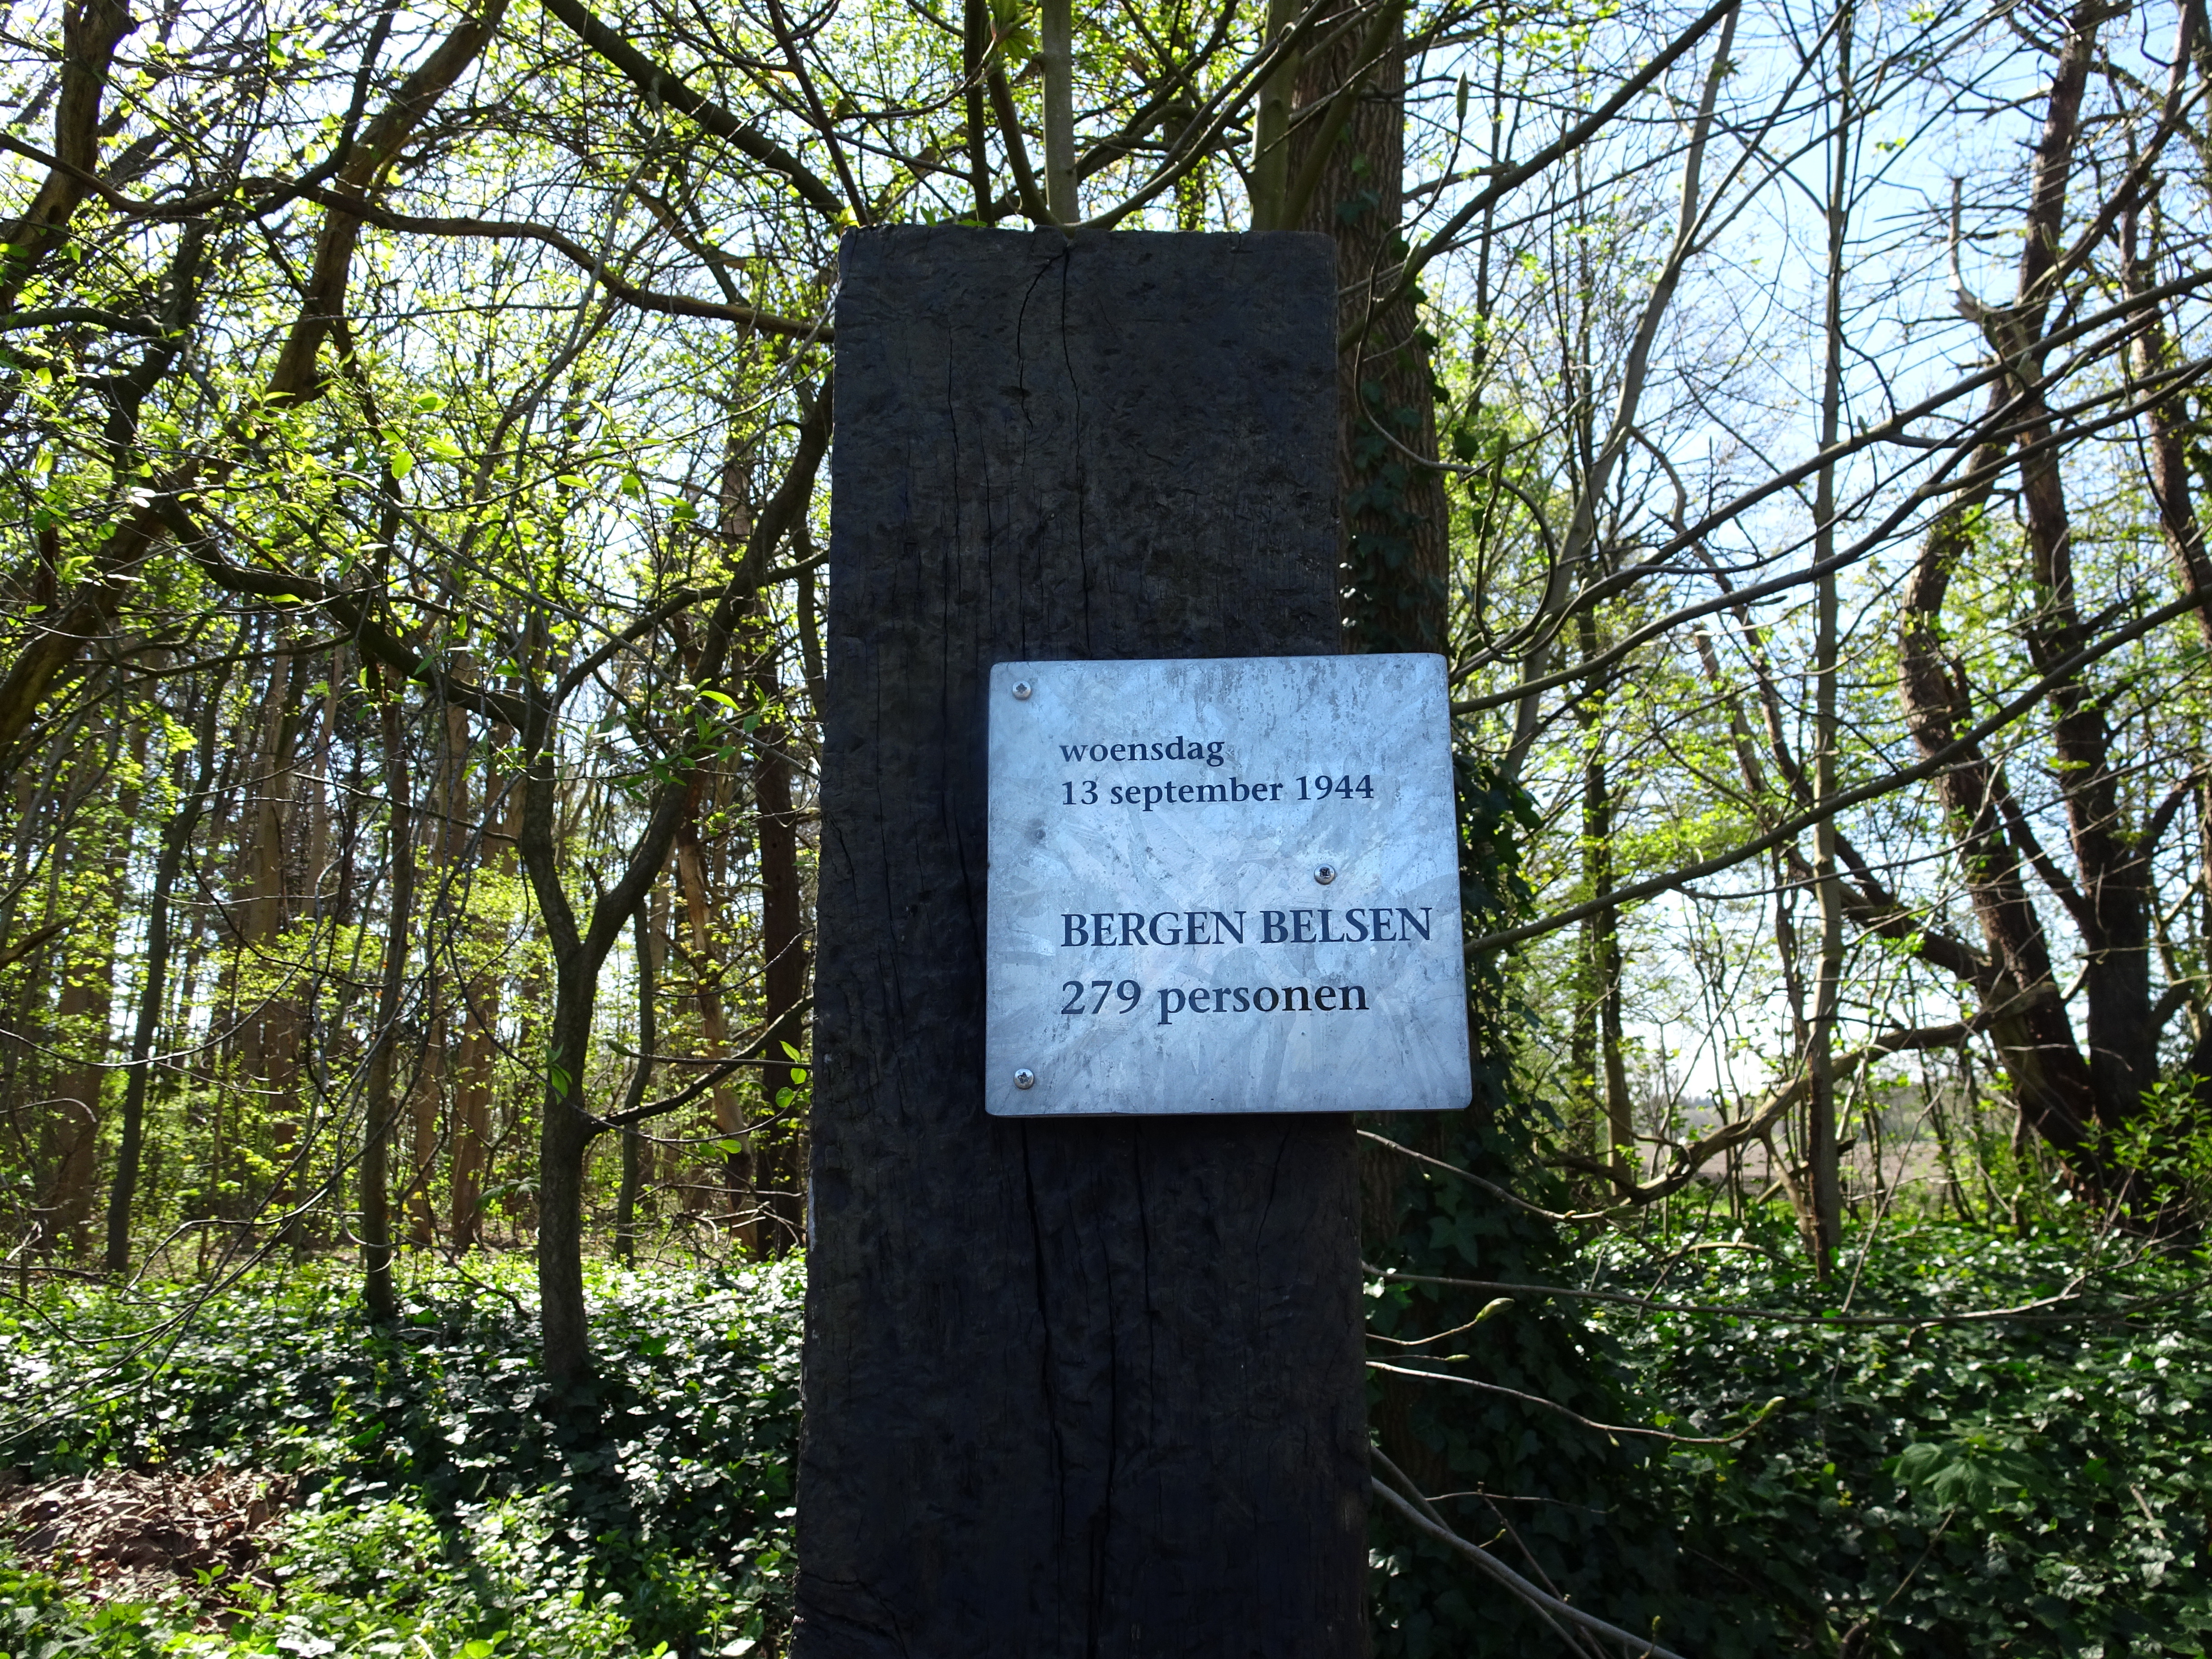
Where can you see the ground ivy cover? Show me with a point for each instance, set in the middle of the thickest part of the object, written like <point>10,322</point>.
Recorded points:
<point>2032,1486</point>
<point>447,1504</point>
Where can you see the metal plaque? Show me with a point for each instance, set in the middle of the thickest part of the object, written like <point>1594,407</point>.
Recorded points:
<point>1223,885</point>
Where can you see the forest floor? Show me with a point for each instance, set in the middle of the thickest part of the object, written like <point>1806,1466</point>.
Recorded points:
<point>257,1470</point>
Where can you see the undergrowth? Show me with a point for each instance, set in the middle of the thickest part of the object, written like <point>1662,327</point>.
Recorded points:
<point>2032,1485</point>
<point>454,1506</point>
<point>2035,1484</point>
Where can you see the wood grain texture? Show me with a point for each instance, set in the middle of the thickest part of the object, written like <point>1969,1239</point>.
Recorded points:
<point>1083,1387</point>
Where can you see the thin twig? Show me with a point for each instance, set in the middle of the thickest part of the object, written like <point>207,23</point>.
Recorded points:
<point>1576,1416</point>
<point>1643,1645</point>
<point>2037,1311</point>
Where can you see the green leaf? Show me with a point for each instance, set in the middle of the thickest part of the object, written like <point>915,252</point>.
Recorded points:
<point>1972,1474</point>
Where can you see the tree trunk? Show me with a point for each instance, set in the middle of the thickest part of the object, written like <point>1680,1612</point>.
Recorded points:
<point>1821,1140</point>
<point>640,1077</point>
<point>90,33</point>
<point>269,1035</point>
<point>88,994</point>
<point>176,841</point>
<point>564,1134</point>
<point>1601,969</point>
<point>2060,1094</point>
<point>1396,519</point>
<point>476,1070</point>
<point>714,1025</point>
<point>779,1146</point>
<point>322,300</point>
<point>80,1023</point>
<point>2165,456</point>
<point>377,1105</point>
<point>566,1131</point>
<point>446,839</point>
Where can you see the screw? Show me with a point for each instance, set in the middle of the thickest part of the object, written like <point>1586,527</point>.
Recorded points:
<point>1325,874</point>
<point>1022,689</point>
<point>1024,1077</point>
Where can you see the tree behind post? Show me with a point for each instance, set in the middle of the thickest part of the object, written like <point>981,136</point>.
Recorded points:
<point>1395,515</point>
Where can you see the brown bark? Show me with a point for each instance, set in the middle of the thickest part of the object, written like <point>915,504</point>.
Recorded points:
<point>810,629</point>
<point>634,1148</point>
<point>91,30</point>
<point>2061,1094</point>
<point>566,1128</point>
<point>85,615</point>
<point>377,1104</point>
<point>1823,1151</point>
<point>176,840</point>
<point>427,1099</point>
<point>425,1095</point>
<point>780,1157</point>
<point>2115,876</point>
<point>2169,434</point>
<point>323,297</point>
<point>1601,968</point>
<point>88,608</point>
<point>73,1123</point>
<point>269,1033</point>
<point>2015,977</point>
<point>1393,520</point>
<point>2167,426</point>
<point>87,1000</point>
<point>714,1023</point>
<point>1396,519</point>
<point>479,1049</point>
<point>1392,514</point>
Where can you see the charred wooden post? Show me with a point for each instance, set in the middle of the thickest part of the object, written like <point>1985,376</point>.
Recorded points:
<point>1073,1387</point>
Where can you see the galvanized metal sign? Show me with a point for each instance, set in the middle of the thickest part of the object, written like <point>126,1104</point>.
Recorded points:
<point>1223,885</point>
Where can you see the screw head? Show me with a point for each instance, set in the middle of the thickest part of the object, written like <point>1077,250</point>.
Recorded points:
<point>1022,689</point>
<point>1024,1077</point>
<point>1325,873</point>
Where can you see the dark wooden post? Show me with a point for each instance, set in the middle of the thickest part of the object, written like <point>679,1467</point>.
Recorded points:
<point>1084,1388</point>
